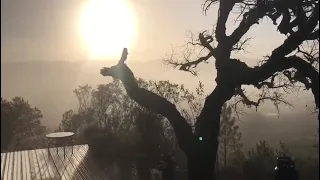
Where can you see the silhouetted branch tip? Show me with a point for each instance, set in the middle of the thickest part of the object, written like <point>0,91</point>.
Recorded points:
<point>124,55</point>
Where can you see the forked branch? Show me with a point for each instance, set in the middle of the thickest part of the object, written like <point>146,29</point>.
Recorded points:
<point>150,100</point>
<point>186,64</point>
<point>272,66</point>
<point>275,97</point>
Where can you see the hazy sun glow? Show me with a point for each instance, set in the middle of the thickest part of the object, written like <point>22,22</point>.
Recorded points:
<point>107,26</point>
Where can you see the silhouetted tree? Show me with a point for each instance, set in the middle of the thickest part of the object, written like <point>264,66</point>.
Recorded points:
<point>118,120</point>
<point>19,122</point>
<point>261,161</point>
<point>299,23</point>
<point>150,144</point>
<point>83,94</point>
<point>230,136</point>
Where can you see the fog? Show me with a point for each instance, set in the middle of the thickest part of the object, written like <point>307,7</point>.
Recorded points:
<point>49,86</point>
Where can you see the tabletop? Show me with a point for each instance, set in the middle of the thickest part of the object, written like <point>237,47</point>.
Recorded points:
<point>60,135</point>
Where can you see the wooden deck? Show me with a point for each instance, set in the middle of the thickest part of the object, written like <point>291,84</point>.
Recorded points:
<point>39,165</point>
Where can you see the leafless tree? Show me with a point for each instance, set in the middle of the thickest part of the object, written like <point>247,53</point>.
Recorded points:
<point>299,22</point>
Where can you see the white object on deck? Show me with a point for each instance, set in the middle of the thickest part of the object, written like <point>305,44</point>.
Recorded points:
<point>60,135</point>
<point>63,138</point>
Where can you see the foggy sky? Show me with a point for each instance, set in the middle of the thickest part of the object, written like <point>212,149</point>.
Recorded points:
<point>49,30</point>
<point>35,31</point>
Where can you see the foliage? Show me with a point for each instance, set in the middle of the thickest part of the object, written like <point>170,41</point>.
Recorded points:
<point>230,137</point>
<point>281,72</point>
<point>259,163</point>
<point>106,115</point>
<point>151,141</point>
<point>308,168</point>
<point>20,124</point>
<point>146,131</point>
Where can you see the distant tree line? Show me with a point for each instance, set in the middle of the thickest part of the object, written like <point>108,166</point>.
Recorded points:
<point>20,125</point>
<point>121,132</point>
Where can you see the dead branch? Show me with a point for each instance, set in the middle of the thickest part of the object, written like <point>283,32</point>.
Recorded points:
<point>314,35</point>
<point>277,62</point>
<point>269,84</point>
<point>235,105</point>
<point>250,18</point>
<point>205,41</point>
<point>243,7</point>
<point>241,45</point>
<point>225,8</point>
<point>191,40</point>
<point>185,63</point>
<point>283,80</point>
<point>297,38</point>
<point>193,64</point>
<point>151,101</point>
<point>207,4</point>
<point>259,73</point>
<point>275,97</point>
<point>310,53</point>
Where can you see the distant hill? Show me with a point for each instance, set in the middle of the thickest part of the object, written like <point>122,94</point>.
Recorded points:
<point>50,85</point>
<point>297,130</point>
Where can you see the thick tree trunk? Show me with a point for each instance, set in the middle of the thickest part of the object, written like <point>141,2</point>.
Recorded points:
<point>201,154</point>
<point>225,154</point>
<point>143,171</point>
<point>201,166</point>
<point>125,170</point>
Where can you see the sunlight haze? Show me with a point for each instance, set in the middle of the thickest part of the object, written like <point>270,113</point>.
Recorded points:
<point>106,27</point>
<point>81,30</point>
<point>48,48</point>
<point>51,30</point>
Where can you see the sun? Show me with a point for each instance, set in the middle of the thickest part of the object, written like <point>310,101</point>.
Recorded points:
<point>107,26</point>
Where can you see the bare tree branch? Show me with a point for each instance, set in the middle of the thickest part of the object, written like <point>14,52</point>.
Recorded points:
<point>281,80</point>
<point>310,53</point>
<point>299,21</point>
<point>192,64</point>
<point>278,62</point>
<point>296,38</point>
<point>205,41</point>
<point>191,40</point>
<point>249,18</point>
<point>186,64</point>
<point>258,74</point>
<point>241,45</point>
<point>207,4</point>
<point>276,97</point>
<point>225,8</point>
<point>314,35</point>
<point>152,102</point>
<point>235,105</point>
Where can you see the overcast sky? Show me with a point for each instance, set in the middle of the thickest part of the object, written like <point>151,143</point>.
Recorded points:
<point>48,30</point>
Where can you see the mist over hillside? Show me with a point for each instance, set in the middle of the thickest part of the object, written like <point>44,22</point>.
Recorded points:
<point>298,130</point>
<point>49,86</point>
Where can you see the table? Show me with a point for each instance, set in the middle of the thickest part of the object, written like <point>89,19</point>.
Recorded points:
<point>57,138</point>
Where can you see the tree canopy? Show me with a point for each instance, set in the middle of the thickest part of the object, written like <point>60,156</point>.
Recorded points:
<point>19,121</point>
<point>107,115</point>
<point>299,21</point>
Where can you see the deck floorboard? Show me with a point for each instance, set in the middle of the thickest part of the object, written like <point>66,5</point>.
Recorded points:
<point>44,164</point>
